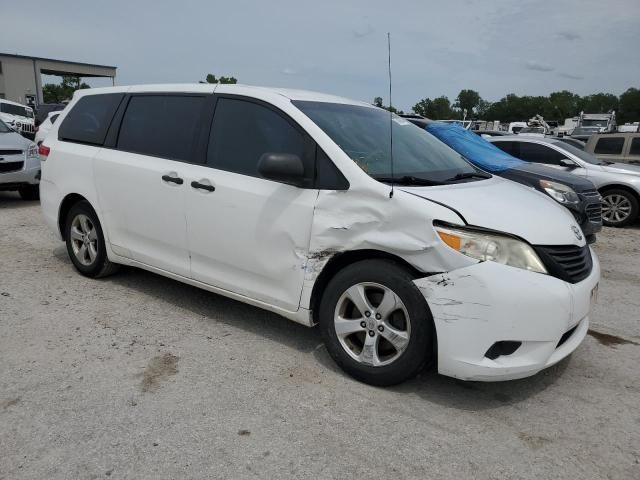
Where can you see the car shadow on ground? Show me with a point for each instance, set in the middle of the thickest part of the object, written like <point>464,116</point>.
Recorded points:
<point>12,200</point>
<point>432,387</point>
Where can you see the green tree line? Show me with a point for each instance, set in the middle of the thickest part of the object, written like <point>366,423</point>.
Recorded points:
<point>556,106</point>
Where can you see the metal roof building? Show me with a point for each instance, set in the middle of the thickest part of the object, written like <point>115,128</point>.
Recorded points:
<point>21,76</point>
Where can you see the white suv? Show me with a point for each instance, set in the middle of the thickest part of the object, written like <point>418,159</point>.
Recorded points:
<point>284,199</point>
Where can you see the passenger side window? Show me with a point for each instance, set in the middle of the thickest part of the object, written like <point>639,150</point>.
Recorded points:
<point>536,153</point>
<point>509,147</point>
<point>162,125</point>
<point>609,145</point>
<point>243,131</point>
<point>89,120</point>
<point>635,146</point>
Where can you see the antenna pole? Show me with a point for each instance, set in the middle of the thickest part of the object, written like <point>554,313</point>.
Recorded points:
<point>390,115</point>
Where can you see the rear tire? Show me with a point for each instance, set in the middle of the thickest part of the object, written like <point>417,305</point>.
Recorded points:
<point>30,192</point>
<point>392,340</point>
<point>619,208</point>
<point>85,242</point>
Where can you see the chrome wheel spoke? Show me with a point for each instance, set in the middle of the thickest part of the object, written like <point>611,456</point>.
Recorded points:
<point>82,253</point>
<point>369,353</point>
<point>84,224</point>
<point>395,337</point>
<point>76,234</point>
<point>389,304</point>
<point>359,298</point>
<point>93,253</point>
<point>345,327</point>
<point>93,236</point>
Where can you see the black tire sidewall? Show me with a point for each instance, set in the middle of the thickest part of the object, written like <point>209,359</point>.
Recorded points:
<point>634,208</point>
<point>420,349</point>
<point>97,266</point>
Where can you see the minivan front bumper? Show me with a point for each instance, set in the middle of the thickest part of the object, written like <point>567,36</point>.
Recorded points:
<point>477,307</point>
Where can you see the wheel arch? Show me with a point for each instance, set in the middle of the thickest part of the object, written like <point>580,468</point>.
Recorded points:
<point>65,206</point>
<point>341,260</point>
<point>619,186</point>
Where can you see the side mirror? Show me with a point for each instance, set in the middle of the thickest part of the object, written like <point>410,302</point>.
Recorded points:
<point>282,167</point>
<point>570,164</point>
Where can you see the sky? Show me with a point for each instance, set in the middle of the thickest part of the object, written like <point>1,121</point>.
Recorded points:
<point>340,46</point>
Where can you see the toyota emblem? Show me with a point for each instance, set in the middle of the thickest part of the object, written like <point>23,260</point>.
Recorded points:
<point>576,232</point>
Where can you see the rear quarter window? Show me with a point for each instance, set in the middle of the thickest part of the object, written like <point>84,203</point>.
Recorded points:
<point>635,146</point>
<point>609,145</point>
<point>89,120</point>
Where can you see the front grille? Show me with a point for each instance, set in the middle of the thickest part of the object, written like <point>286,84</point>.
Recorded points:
<point>594,212</point>
<point>6,167</point>
<point>10,152</point>
<point>566,262</point>
<point>25,127</point>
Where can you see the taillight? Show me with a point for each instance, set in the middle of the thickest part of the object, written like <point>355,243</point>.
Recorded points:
<point>43,150</point>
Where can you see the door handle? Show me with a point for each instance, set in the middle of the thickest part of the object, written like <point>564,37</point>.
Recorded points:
<point>169,178</point>
<point>203,186</point>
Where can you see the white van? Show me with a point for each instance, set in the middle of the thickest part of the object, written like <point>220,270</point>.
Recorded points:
<point>283,199</point>
<point>19,117</point>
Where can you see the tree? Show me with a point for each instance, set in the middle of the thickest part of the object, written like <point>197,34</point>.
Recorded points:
<point>467,99</point>
<point>56,93</point>
<point>598,103</point>
<point>377,102</point>
<point>226,80</point>
<point>437,109</point>
<point>629,106</point>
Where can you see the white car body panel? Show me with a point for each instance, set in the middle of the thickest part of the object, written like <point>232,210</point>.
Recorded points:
<point>45,127</point>
<point>266,243</point>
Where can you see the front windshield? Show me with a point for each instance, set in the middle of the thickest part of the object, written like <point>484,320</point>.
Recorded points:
<point>581,154</point>
<point>4,128</point>
<point>590,122</point>
<point>363,134</point>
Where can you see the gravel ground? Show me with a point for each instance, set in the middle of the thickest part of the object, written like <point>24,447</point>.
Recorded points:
<point>138,376</point>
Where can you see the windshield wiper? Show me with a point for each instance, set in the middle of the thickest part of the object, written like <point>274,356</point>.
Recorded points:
<point>408,180</point>
<point>463,176</point>
<point>606,162</point>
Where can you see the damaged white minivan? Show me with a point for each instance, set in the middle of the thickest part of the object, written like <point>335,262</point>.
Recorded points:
<point>290,201</point>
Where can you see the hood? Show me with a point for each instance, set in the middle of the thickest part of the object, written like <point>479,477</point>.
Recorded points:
<point>13,140</point>
<point>622,168</point>
<point>508,207</point>
<point>543,172</point>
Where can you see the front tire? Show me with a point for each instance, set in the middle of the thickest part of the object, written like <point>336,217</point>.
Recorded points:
<point>376,324</point>
<point>85,242</point>
<point>619,208</point>
<point>30,192</point>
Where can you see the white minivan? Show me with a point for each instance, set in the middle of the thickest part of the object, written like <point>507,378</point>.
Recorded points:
<point>290,201</point>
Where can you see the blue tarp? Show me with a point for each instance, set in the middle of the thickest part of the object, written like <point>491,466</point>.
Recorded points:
<point>473,147</point>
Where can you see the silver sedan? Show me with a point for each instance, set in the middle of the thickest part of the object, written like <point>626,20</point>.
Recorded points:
<point>618,183</point>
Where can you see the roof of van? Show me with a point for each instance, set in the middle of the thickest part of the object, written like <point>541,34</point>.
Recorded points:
<point>291,94</point>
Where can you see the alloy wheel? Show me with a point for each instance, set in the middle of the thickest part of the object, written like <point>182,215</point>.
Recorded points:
<point>372,324</point>
<point>616,208</point>
<point>84,239</point>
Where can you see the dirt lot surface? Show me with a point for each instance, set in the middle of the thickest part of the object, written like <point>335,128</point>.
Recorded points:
<point>138,376</point>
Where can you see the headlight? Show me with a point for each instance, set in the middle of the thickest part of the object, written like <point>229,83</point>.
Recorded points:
<point>560,193</point>
<point>32,151</point>
<point>492,247</point>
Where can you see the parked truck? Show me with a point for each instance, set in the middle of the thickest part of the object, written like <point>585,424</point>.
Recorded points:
<point>590,123</point>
